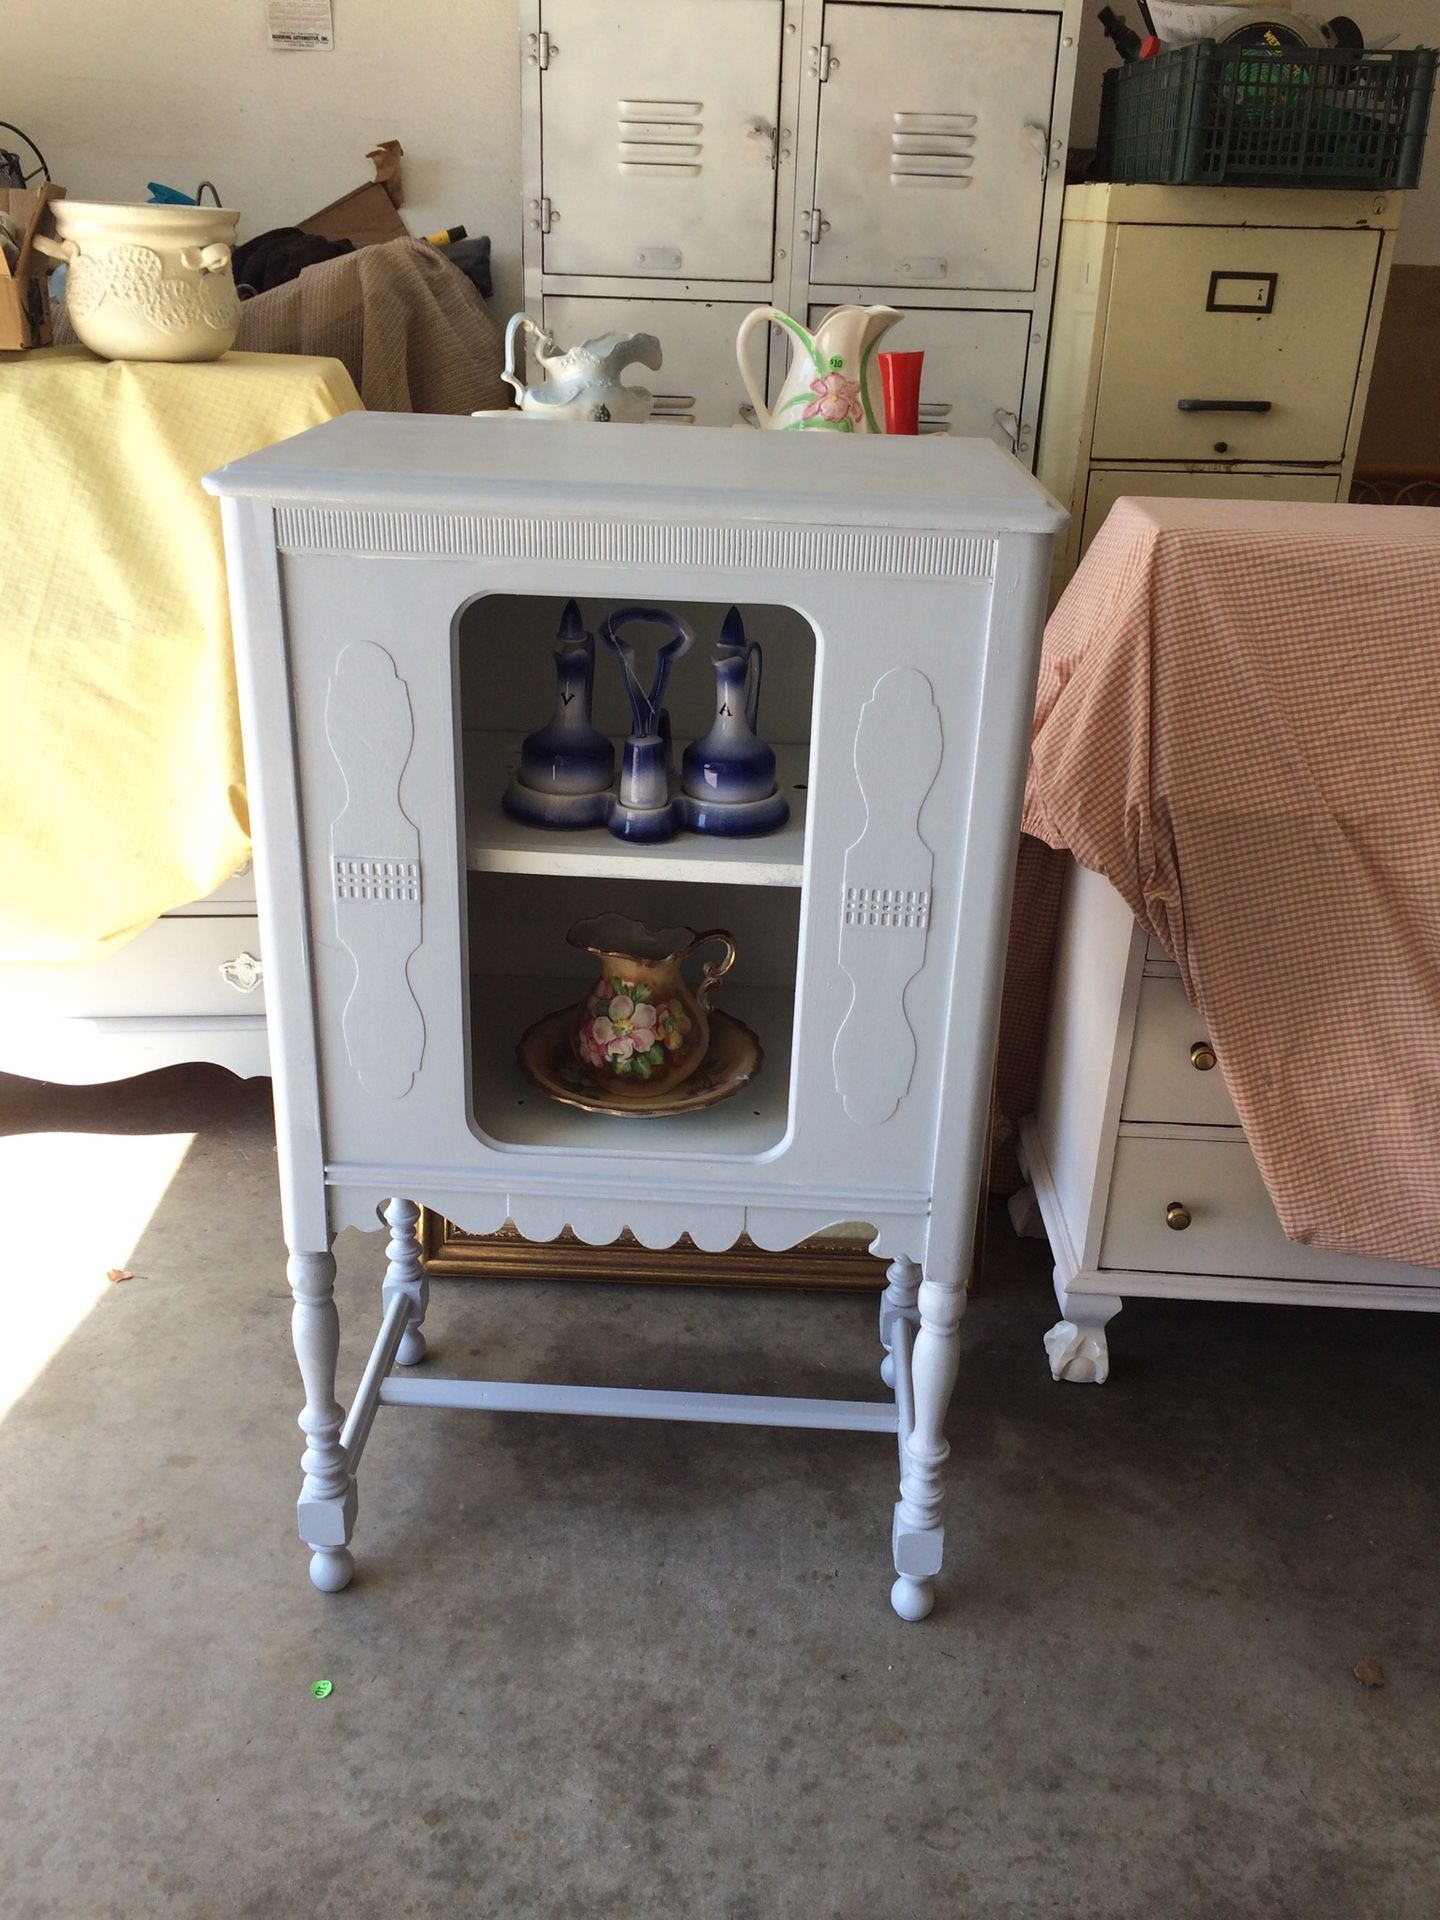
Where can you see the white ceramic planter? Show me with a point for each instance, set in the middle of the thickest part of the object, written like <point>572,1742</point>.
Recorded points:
<point>148,282</point>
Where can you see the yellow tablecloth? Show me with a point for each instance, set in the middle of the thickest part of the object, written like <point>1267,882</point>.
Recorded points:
<point>122,789</point>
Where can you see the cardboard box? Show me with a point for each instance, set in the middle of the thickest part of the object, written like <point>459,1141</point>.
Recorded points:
<point>24,295</point>
<point>365,216</point>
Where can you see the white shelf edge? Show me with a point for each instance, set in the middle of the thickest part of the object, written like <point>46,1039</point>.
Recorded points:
<point>494,843</point>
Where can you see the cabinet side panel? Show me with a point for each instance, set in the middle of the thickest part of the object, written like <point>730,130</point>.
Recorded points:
<point>1071,372</point>
<point>1099,958</point>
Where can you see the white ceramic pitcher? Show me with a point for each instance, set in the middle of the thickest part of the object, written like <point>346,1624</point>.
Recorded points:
<point>832,384</point>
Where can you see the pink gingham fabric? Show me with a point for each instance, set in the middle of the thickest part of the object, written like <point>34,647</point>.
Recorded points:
<point>1238,724</point>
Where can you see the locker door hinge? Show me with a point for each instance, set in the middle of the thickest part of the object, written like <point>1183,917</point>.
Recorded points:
<point>537,50</point>
<point>541,214</point>
<point>822,63</point>
<point>813,224</point>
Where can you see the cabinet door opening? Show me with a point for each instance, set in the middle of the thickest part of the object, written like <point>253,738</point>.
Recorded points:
<point>531,880</point>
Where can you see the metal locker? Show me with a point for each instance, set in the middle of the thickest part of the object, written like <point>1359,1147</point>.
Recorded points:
<point>934,146</point>
<point>699,383</point>
<point>659,125</point>
<point>973,378</point>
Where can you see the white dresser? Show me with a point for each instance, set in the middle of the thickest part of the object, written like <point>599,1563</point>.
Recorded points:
<point>1210,342</point>
<point>1141,1175</point>
<point>687,160</point>
<point>191,987</point>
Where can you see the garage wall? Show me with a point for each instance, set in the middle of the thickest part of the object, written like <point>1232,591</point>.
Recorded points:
<point>183,90</point>
<point>180,90</point>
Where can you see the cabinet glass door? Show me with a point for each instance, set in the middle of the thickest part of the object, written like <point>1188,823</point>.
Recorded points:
<point>934,138</point>
<point>658,137</point>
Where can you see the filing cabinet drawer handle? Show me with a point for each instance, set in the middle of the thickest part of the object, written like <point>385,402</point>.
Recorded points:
<point>1223,406</point>
<point>1202,1056</point>
<point>1177,1216</point>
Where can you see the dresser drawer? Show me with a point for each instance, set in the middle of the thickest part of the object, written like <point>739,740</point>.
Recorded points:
<point>1168,1077</point>
<point>177,967</point>
<point>1233,1228</point>
<point>1106,485</point>
<point>1229,314</point>
<point>233,897</point>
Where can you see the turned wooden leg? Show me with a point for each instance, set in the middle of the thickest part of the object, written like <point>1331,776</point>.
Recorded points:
<point>897,1303</point>
<point>405,1273</point>
<point>1077,1345</point>
<point>918,1537</point>
<point>326,1509</point>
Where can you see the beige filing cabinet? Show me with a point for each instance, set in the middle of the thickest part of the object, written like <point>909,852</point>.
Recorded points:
<point>688,160</point>
<point>1210,341</point>
<point>1140,1173</point>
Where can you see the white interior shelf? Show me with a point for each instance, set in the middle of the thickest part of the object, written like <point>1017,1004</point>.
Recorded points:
<point>497,844</point>
<point>512,1109</point>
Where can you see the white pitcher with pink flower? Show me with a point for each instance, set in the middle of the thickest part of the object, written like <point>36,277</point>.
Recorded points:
<point>833,385</point>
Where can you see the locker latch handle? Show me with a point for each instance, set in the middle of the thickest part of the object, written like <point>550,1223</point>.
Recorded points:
<point>1040,140</point>
<point>1223,406</point>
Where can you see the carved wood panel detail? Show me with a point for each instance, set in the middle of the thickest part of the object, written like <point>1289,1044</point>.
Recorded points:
<point>885,898</point>
<point>375,863</point>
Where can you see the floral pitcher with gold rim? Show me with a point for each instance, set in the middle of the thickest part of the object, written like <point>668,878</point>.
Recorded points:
<point>643,1025</point>
<point>833,385</point>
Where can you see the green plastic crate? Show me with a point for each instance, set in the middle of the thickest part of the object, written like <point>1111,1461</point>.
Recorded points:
<point>1202,115</point>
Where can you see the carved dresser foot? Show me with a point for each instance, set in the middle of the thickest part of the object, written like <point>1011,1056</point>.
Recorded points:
<point>1077,1346</point>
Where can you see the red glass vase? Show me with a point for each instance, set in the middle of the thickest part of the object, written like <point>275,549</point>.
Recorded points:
<point>900,384</point>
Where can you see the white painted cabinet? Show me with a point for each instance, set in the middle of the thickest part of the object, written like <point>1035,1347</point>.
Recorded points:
<point>397,582</point>
<point>702,157</point>
<point>1211,343</point>
<point>1140,1170</point>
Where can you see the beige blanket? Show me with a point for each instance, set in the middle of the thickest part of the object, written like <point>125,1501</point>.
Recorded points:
<point>413,332</point>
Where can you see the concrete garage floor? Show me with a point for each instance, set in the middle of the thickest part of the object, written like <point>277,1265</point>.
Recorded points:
<point>592,1668</point>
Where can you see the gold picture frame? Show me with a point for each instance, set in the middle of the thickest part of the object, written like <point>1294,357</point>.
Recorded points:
<point>834,1261</point>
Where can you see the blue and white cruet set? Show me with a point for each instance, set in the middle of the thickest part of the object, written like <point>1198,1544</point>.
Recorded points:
<point>566,776</point>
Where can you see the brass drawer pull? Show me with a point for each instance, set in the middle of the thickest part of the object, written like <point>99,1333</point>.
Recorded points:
<point>1177,1216</point>
<point>1202,1056</point>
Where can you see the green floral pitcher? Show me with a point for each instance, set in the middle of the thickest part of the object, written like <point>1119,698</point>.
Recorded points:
<point>832,385</point>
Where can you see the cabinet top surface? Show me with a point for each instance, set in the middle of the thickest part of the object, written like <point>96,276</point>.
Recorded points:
<point>546,467</point>
<point>1112,201</point>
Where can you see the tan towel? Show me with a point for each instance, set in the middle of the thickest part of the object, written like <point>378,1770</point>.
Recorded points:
<point>412,330</point>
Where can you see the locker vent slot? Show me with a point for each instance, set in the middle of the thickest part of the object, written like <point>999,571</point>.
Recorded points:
<point>932,149</point>
<point>660,137</point>
<point>679,407</point>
